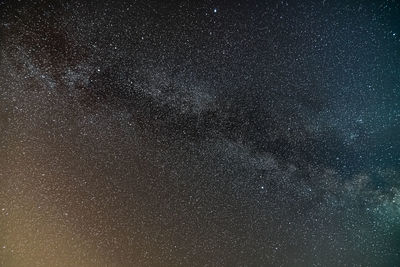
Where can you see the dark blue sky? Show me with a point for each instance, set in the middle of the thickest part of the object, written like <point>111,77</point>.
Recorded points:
<point>199,133</point>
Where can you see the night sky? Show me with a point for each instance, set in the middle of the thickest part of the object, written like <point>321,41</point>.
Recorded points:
<point>199,133</point>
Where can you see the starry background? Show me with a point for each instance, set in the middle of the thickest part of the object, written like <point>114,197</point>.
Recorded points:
<point>199,133</point>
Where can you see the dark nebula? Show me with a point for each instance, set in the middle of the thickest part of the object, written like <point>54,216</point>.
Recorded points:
<point>199,133</point>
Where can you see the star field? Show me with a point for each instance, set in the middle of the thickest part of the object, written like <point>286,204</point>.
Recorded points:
<point>199,133</point>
